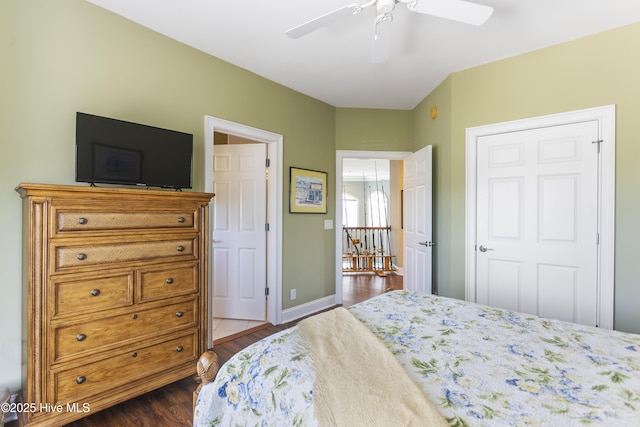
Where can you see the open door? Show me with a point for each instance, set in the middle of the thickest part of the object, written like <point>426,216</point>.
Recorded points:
<point>417,217</point>
<point>239,235</point>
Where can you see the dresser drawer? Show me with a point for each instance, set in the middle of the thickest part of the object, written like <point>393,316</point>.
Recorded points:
<point>68,256</point>
<point>93,335</point>
<point>168,281</point>
<point>86,220</point>
<point>79,383</point>
<point>76,294</point>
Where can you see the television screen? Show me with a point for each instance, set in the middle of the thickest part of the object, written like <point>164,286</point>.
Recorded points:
<point>118,152</point>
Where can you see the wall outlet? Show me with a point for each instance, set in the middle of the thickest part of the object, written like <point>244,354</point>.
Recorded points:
<point>292,294</point>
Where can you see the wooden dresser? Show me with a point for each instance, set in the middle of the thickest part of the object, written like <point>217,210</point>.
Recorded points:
<point>115,295</point>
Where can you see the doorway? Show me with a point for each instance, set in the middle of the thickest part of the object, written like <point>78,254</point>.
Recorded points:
<point>350,167</point>
<point>274,149</point>
<point>239,245</point>
<point>540,219</point>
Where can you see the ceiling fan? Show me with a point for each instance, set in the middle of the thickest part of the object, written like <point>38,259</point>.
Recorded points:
<point>457,10</point>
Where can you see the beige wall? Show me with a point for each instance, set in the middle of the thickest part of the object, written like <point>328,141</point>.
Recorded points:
<point>593,71</point>
<point>69,55</point>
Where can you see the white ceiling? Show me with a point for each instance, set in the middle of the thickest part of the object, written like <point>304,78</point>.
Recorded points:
<point>366,170</point>
<point>334,64</point>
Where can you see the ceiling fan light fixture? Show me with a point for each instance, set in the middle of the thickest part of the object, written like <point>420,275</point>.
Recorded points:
<point>385,6</point>
<point>384,17</point>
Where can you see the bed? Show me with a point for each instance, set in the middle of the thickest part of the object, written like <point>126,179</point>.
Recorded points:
<point>477,365</point>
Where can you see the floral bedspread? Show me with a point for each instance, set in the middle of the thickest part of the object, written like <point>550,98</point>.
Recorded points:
<point>481,366</point>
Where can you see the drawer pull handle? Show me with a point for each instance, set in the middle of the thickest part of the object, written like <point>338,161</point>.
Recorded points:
<point>180,219</point>
<point>134,354</point>
<point>180,248</point>
<point>82,257</point>
<point>134,317</point>
<point>95,292</point>
<point>80,380</point>
<point>82,221</point>
<point>169,280</point>
<point>81,337</point>
<point>179,349</point>
<point>179,314</point>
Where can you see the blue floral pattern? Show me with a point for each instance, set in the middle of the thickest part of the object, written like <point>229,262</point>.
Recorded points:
<point>481,366</point>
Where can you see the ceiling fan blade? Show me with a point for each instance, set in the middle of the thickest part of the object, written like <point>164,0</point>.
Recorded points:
<point>456,10</point>
<point>324,20</point>
<point>382,38</point>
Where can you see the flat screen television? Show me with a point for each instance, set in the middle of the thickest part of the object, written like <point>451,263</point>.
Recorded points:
<point>113,151</point>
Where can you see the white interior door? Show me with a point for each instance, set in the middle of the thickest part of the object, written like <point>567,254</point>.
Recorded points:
<point>417,212</point>
<point>537,221</point>
<point>239,235</point>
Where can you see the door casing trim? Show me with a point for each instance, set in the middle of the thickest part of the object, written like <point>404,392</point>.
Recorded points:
<point>605,116</point>
<point>274,143</point>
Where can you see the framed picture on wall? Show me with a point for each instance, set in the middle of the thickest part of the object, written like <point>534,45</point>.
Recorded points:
<point>307,191</point>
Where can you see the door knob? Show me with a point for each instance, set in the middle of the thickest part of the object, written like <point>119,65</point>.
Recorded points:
<point>483,248</point>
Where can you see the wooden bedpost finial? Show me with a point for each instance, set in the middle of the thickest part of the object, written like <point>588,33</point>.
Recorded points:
<point>208,366</point>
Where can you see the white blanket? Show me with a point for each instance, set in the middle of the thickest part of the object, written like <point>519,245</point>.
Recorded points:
<point>358,381</point>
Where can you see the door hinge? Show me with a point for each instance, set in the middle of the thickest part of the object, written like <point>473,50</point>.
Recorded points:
<point>267,164</point>
<point>598,142</point>
<point>266,291</point>
<point>266,227</point>
<point>597,238</point>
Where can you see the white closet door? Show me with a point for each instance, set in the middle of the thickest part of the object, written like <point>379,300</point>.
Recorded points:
<point>537,221</point>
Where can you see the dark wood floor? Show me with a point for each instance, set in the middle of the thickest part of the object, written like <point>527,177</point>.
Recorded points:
<point>171,405</point>
<point>359,287</point>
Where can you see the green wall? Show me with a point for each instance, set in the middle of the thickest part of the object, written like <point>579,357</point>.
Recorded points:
<point>594,71</point>
<point>437,133</point>
<point>66,56</point>
<point>374,130</point>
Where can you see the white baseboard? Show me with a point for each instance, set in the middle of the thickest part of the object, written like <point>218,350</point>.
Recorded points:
<point>302,310</point>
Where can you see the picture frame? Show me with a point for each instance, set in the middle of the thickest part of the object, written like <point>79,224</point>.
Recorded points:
<point>307,191</point>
